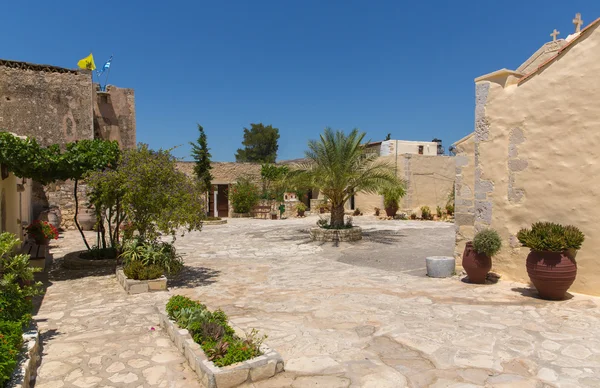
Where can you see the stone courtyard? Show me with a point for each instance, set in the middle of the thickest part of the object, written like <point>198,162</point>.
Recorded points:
<point>355,315</point>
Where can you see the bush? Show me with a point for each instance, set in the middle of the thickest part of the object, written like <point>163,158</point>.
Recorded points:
<point>487,242</point>
<point>548,236</point>
<point>11,338</point>
<point>138,271</point>
<point>426,213</point>
<point>301,207</point>
<point>179,302</point>
<point>438,212</point>
<point>157,253</point>
<point>212,332</point>
<point>244,195</point>
<point>392,195</point>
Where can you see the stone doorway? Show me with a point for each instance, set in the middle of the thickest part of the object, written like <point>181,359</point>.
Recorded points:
<point>222,201</point>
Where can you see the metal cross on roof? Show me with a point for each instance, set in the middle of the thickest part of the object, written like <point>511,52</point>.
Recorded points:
<point>578,22</point>
<point>554,34</point>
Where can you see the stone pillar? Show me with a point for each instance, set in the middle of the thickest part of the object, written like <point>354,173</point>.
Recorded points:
<point>483,188</point>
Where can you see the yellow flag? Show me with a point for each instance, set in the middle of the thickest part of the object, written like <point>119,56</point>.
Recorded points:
<point>87,63</point>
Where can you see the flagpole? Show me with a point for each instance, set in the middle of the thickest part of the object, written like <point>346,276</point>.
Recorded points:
<point>108,72</point>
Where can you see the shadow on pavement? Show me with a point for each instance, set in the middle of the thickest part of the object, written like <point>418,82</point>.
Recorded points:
<point>190,277</point>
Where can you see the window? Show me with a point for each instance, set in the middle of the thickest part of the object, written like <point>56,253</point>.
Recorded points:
<point>420,150</point>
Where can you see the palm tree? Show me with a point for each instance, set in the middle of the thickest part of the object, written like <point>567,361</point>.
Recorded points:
<point>339,167</point>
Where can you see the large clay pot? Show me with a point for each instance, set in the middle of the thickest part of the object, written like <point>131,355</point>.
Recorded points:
<point>391,211</point>
<point>552,273</point>
<point>476,264</point>
<point>86,219</point>
<point>301,213</point>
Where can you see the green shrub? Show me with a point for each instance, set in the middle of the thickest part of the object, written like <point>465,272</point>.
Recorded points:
<point>178,302</point>
<point>244,195</point>
<point>426,213</point>
<point>138,271</point>
<point>212,332</point>
<point>438,212</point>
<point>487,242</point>
<point>157,253</point>
<point>11,338</point>
<point>301,207</point>
<point>392,195</point>
<point>548,236</point>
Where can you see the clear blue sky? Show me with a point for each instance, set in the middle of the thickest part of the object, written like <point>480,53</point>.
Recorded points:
<point>382,66</point>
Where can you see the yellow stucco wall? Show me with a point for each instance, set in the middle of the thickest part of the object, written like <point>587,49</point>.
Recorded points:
<point>8,188</point>
<point>430,180</point>
<point>542,156</point>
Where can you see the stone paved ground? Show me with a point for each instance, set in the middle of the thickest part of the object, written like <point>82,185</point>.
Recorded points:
<point>335,324</point>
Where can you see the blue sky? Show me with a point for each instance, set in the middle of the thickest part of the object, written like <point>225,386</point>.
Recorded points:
<point>382,66</point>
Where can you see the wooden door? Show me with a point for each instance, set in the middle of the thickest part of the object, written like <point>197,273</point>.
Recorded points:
<point>223,201</point>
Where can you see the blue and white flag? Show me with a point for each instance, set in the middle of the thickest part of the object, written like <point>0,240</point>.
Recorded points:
<point>105,67</point>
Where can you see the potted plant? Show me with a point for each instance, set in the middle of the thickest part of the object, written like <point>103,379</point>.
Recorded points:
<point>551,264</point>
<point>426,213</point>
<point>391,198</point>
<point>477,257</point>
<point>323,207</point>
<point>377,210</point>
<point>300,208</point>
<point>449,209</point>
<point>273,214</point>
<point>41,232</point>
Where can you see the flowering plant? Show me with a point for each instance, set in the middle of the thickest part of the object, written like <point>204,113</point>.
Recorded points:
<point>42,230</point>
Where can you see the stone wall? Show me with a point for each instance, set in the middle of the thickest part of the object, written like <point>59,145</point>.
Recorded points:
<point>59,194</point>
<point>536,155</point>
<point>52,105</point>
<point>114,116</point>
<point>225,172</point>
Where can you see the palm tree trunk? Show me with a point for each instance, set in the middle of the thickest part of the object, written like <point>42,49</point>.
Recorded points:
<point>337,215</point>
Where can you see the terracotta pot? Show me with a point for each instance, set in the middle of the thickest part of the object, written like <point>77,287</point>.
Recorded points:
<point>86,219</point>
<point>476,264</point>
<point>273,216</point>
<point>552,273</point>
<point>391,211</point>
<point>38,240</point>
<point>301,213</point>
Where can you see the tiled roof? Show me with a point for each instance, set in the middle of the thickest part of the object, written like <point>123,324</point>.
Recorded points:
<point>576,39</point>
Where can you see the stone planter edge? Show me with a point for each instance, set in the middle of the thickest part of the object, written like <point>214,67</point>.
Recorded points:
<point>259,368</point>
<point>332,235</point>
<point>26,370</point>
<point>133,286</point>
<point>73,261</point>
<point>216,222</point>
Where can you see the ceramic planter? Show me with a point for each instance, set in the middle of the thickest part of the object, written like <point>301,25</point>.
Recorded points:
<point>301,213</point>
<point>391,211</point>
<point>477,265</point>
<point>552,273</point>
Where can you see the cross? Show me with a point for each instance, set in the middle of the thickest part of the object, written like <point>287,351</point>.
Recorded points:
<point>554,34</point>
<point>578,22</point>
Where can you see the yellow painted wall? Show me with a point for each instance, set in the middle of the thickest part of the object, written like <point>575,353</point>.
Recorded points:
<point>558,113</point>
<point>430,181</point>
<point>8,186</point>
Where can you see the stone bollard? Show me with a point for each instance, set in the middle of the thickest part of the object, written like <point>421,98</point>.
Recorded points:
<point>440,266</point>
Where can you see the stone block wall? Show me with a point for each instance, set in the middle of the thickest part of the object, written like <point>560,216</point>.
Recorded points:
<point>114,115</point>
<point>59,194</point>
<point>51,104</point>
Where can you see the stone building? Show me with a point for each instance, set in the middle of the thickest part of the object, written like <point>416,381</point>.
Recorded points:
<point>533,154</point>
<point>57,105</point>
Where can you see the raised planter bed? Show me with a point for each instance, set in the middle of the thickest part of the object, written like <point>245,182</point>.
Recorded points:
<point>26,371</point>
<point>73,261</point>
<point>133,286</point>
<point>215,222</point>
<point>350,234</point>
<point>211,376</point>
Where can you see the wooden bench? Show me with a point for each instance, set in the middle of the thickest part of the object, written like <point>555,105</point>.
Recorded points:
<point>261,212</point>
<point>37,253</point>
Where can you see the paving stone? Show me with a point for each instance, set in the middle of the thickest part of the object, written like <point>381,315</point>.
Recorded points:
<point>366,320</point>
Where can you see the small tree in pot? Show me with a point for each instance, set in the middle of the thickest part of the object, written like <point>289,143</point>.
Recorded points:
<point>391,198</point>
<point>300,208</point>
<point>551,264</point>
<point>477,257</point>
